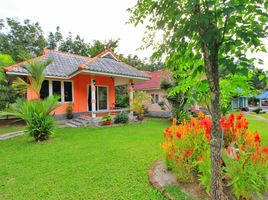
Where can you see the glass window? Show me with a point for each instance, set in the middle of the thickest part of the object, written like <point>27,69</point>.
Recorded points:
<point>68,91</point>
<point>56,88</point>
<point>44,92</point>
<point>102,97</point>
<point>156,98</point>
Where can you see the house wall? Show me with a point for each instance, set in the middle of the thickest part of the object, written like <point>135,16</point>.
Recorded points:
<point>80,93</point>
<point>154,109</point>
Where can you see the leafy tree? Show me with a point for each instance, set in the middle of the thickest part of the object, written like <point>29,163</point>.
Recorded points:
<point>259,79</point>
<point>7,94</point>
<point>75,45</point>
<point>54,39</point>
<point>205,36</point>
<point>97,46</point>
<point>21,39</point>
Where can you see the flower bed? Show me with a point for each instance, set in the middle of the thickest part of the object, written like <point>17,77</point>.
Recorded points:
<point>244,158</point>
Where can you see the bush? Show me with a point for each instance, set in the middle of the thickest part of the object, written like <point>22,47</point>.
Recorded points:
<point>245,165</point>
<point>37,116</point>
<point>257,111</point>
<point>69,111</point>
<point>121,118</point>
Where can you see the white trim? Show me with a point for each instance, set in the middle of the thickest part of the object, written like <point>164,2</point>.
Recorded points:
<point>62,91</point>
<point>97,86</point>
<point>50,87</point>
<point>111,55</point>
<point>23,74</point>
<point>108,74</point>
<point>96,91</point>
<point>86,71</point>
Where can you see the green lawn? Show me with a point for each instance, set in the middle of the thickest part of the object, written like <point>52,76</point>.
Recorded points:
<point>8,126</point>
<point>88,163</point>
<point>83,163</point>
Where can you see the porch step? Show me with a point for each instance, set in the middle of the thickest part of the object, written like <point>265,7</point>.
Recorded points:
<point>83,121</point>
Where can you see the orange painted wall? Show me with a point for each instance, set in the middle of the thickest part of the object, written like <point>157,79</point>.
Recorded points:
<point>80,86</point>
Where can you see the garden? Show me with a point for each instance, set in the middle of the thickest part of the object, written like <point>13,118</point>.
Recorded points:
<point>244,157</point>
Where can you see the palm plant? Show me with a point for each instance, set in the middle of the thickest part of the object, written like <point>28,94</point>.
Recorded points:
<point>35,70</point>
<point>36,113</point>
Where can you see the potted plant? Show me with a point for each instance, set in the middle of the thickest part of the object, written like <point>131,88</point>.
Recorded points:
<point>69,111</point>
<point>140,104</point>
<point>107,119</point>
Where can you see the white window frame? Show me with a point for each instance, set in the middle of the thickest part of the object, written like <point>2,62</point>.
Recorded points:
<point>108,98</point>
<point>50,89</point>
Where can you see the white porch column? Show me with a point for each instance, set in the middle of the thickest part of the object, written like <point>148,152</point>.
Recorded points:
<point>93,98</point>
<point>260,102</point>
<point>131,92</point>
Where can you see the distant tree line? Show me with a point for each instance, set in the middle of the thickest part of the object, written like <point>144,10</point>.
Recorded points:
<point>28,38</point>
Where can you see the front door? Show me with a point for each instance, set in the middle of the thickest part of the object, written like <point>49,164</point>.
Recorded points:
<point>101,98</point>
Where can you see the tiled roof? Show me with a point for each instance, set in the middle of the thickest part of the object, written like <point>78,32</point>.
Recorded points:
<point>153,83</point>
<point>66,64</point>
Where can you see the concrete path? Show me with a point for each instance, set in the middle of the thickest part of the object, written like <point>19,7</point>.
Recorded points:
<point>11,135</point>
<point>259,117</point>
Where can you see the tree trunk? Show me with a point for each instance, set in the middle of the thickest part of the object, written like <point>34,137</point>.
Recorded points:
<point>212,72</point>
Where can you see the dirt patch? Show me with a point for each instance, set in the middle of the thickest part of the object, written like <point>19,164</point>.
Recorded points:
<point>159,177</point>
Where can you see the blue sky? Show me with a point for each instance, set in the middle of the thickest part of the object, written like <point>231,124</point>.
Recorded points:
<point>91,19</point>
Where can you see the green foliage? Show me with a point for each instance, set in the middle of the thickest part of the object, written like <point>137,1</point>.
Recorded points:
<point>107,117</point>
<point>246,178</point>
<point>121,118</point>
<point>97,46</point>
<point>22,39</point>
<point>7,93</point>
<point>178,100</point>
<point>35,69</point>
<point>257,110</point>
<point>140,102</point>
<point>121,96</point>
<point>54,39</point>
<point>204,171</point>
<point>69,111</point>
<point>75,45</point>
<point>36,114</point>
<point>142,64</point>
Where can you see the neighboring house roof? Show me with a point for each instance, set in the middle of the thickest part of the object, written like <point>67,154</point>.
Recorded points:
<point>67,65</point>
<point>263,95</point>
<point>153,83</point>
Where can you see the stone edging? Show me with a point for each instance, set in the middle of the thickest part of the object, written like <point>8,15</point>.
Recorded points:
<point>155,184</point>
<point>11,135</point>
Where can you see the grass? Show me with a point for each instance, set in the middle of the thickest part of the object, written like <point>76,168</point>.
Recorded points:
<point>88,163</point>
<point>83,163</point>
<point>8,126</point>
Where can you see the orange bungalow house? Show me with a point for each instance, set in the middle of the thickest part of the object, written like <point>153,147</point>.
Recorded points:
<point>88,83</point>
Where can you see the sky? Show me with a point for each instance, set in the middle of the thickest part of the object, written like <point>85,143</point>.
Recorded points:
<point>91,19</point>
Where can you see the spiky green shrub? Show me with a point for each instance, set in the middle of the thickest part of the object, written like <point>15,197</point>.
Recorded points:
<point>37,115</point>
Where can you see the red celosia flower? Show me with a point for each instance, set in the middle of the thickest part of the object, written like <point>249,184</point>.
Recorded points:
<point>239,116</point>
<point>257,137</point>
<point>229,150</point>
<point>265,150</point>
<point>169,154</point>
<point>178,134</point>
<point>238,156</point>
